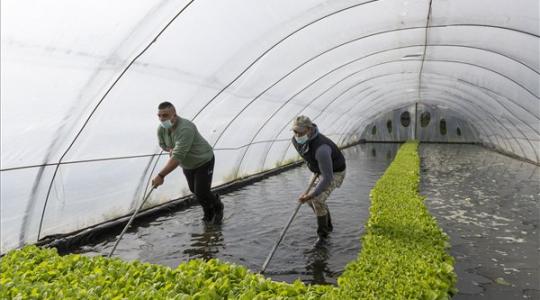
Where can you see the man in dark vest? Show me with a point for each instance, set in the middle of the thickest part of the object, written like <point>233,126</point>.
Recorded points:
<point>324,159</point>
<point>189,150</point>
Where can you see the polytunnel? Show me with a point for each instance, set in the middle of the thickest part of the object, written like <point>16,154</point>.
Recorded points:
<point>81,81</point>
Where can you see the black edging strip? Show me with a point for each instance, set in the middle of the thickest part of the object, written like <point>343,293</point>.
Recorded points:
<point>66,241</point>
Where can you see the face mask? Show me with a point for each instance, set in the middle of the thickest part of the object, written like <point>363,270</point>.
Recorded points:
<point>302,139</point>
<point>166,124</point>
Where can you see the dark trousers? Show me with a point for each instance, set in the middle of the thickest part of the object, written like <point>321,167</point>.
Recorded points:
<point>200,182</point>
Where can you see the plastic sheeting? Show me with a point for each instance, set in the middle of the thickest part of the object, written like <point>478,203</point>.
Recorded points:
<point>81,82</point>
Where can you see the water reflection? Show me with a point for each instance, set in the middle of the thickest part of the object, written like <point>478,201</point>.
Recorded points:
<point>317,263</point>
<point>206,245</point>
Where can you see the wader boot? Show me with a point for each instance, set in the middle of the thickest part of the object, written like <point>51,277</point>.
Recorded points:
<point>322,229</point>
<point>218,211</point>
<point>208,212</point>
<point>330,226</point>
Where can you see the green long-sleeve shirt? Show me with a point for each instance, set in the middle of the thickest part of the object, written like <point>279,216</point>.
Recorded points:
<point>189,148</point>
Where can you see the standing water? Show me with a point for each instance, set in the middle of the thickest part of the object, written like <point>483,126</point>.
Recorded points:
<point>489,206</point>
<point>253,220</point>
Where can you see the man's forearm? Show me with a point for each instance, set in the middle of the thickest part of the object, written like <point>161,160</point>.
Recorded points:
<point>169,167</point>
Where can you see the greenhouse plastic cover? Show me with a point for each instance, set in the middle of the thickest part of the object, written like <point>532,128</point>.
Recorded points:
<point>81,81</point>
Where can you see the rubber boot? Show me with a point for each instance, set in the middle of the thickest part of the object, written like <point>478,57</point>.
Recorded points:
<point>330,226</point>
<point>209,214</point>
<point>218,211</point>
<point>322,229</point>
<point>207,211</point>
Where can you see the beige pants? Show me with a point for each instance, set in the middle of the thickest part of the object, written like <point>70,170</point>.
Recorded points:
<point>318,204</point>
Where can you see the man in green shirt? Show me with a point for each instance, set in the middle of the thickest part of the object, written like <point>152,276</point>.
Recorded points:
<point>189,150</point>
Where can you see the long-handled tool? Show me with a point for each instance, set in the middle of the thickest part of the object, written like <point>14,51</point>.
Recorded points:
<point>286,227</point>
<point>131,220</point>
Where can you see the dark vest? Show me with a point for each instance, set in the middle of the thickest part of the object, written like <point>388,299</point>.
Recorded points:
<point>338,160</point>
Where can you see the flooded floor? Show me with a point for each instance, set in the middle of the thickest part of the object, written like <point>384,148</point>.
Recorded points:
<point>489,206</point>
<point>254,218</point>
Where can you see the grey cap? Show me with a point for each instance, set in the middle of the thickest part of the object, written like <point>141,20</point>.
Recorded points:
<point>301,122</point>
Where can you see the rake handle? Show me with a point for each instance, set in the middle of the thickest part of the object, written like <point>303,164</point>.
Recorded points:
<point>129,222</point>
<point>267,261</point>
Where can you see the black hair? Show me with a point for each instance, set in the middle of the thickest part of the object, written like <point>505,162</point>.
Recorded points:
<point>165,105</point>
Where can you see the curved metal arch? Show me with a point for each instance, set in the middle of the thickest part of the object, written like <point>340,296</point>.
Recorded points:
<point>526,139</point>
<point>486,50</point>
<point>371,99</point>
<point>326,51</point>
<point>510,137</point>
<point>464,81</point>
<point>474,90</point>
<point>490,116</point>
<point>496,100</point>
<point>107,92</point>
<point>331,49</point>
<point>313,100</point>
<point>469,113</point>
<point>346,137</point>
<point>351,126</point>
<point>429,60</point>
<point>486,136</point>
<point>281,79</point>
<point>397,92</point>
<point>507,146</point>
<point>487,26</point>
<point>404,104</point>
<point>487,69</point>
<point>275,45</point>
<point>309,60</point>
<point>408,104</point>
<point>308,104</point>
<point>476,133</point>
<point>486,91</point>
<point>281,130</point>
<point>346,124</point>
<point>311,84</point>
<point>426,33</point>
<point>473,104</point>
<point>501,104</point>
<point>384,51</point>
<point>381,32</point>
<point>489,98</point>
<point>301,90</point>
